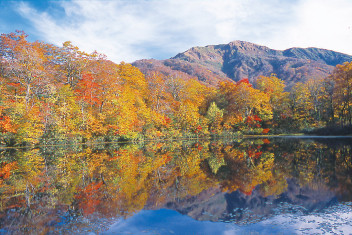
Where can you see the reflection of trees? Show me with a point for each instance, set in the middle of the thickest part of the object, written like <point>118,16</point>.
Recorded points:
<point>96,182</point>
<point>243,166</point>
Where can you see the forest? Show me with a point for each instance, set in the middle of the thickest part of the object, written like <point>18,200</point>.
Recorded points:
<point>51,94</point>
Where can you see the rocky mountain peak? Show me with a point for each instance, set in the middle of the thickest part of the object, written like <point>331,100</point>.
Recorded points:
<point>248,47</point>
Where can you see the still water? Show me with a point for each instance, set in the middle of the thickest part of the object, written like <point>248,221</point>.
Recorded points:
<point>248,186</point>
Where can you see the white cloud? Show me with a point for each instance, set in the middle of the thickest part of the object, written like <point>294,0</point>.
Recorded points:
<point>319,23</point>
<point>131,30</point>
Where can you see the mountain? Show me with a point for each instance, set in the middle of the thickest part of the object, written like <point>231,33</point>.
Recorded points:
<point>239,59</point>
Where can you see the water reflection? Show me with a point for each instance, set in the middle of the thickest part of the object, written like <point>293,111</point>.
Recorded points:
<point>85,189</point>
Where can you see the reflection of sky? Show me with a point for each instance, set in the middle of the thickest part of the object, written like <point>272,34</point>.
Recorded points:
<point>337,220</point>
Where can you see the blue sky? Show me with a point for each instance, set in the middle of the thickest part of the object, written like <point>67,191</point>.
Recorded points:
<point>127,30</point>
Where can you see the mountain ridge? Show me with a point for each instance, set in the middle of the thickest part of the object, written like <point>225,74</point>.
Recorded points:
<point>240,59</point>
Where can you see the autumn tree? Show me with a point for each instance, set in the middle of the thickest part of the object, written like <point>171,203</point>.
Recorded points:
<point>70,63</point>
<point>321,96</point>
<point>215,117</point>
<point>241,101</point>
<point>161,104</point>
<point>132,111</point>
<point>342,77</point>
<point>66,115</point>
<point>301,105</point>
<point>192,104</point>
<point>274,87</point>
<point>24,64</point>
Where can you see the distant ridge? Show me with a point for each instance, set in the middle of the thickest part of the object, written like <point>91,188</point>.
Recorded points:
<point>240,59</point>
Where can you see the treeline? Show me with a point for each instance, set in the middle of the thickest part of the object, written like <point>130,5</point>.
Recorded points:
<point>49,92</point>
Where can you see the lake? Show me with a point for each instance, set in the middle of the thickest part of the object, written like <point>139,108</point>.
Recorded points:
<point>280,185</point>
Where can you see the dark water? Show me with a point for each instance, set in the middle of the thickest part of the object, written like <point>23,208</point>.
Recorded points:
<point>250,186</point>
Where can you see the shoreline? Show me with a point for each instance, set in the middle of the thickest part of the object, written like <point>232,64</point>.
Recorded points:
<point>122,142</point>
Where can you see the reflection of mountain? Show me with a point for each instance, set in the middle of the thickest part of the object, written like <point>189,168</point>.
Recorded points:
<point>208,205</point>
<point>237,207</point>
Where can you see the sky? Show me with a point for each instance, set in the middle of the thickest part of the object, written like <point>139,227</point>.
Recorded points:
<point>128,30</point>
